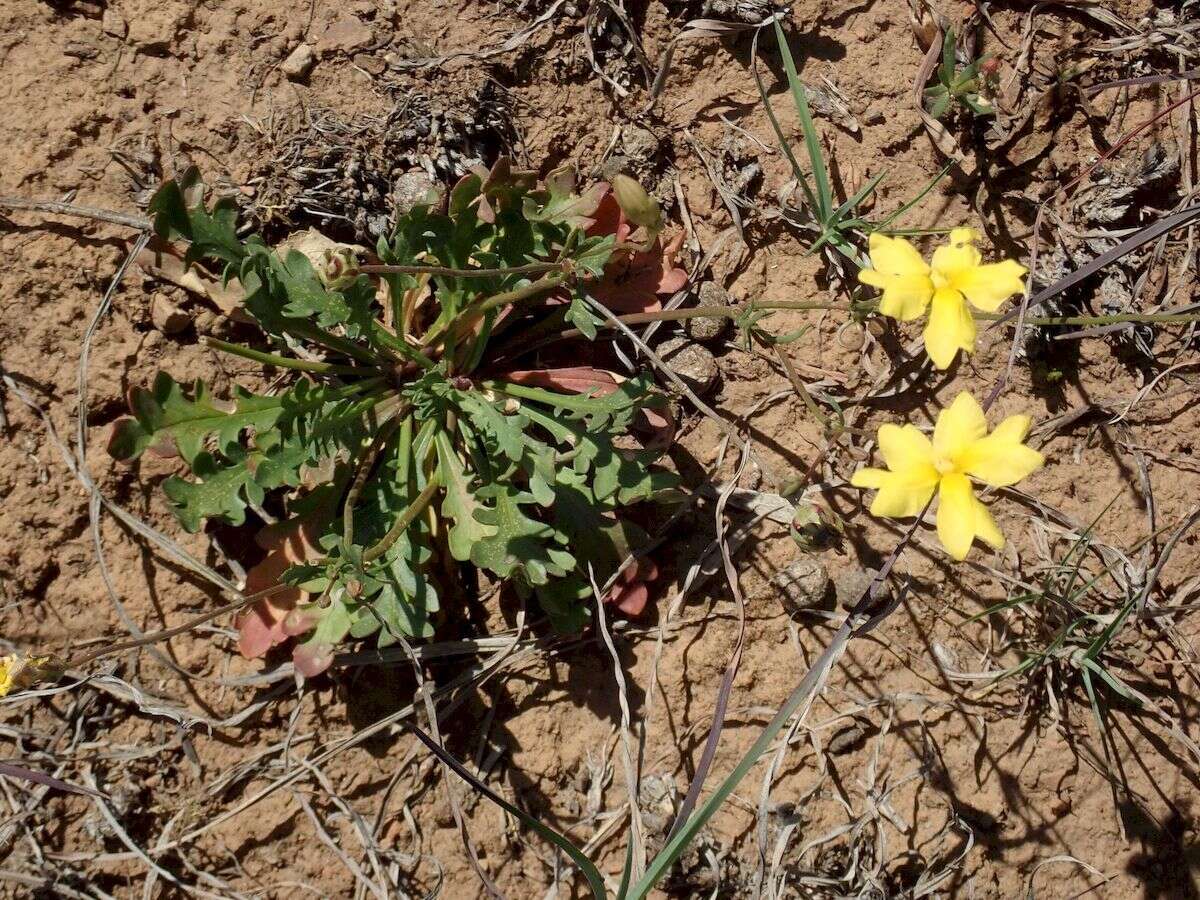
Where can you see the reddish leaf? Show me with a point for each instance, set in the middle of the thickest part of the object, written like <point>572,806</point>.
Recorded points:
<point>571,379</point>
<point>633,281</point>
<point>311,659</point>
<point>632,589</point>
<point>265,624</point>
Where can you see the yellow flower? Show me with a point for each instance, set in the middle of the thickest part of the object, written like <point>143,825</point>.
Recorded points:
<point>955,277</point>
<point>20,672</point>
<point>961,449</point>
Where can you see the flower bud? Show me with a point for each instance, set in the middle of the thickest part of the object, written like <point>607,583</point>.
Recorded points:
<point>638,206</point>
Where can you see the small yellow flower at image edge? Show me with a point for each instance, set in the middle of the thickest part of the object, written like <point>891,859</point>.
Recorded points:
<point>954,280</point>
<point>19,672</point>
<point>961,449</point>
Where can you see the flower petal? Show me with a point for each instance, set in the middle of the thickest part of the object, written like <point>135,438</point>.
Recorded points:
<point>905,297</point>
<point>903,494</point>
<point>895,256</point>
<point>959,425</point>
<point>985,526</point>
<point>904,447</point>
<point>1000,459</point>
<point>989,286</point>
<point>902,275</point>
<point>869,478</point>
<point>963,235</point>
<point>950,329</point>
<point>952,260</point>
<point>956,515</point>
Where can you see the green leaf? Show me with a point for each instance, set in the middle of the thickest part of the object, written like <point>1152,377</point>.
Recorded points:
<point>593,254</point>
<point>561,205</point>
<point>505,430</point>
<point>566,602</point>
<point>210,234</point>
<point>581,316</point>
<point>307,297</point>
<point>824,194</point>
<point>518,542</point>
<point>165,415</point>
<point>459,504</point>
<point>219,492</point>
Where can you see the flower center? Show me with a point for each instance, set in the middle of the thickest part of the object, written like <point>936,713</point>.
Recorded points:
<point>944,464</point>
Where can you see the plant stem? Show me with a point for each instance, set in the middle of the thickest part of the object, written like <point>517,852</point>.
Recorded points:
<point>407,517</point>
<point>1159,318</point>
<point>283,362</point>
<point>156,636</point>
<point>543,284</point>
<point>362,471</point>
<point>794,377</point>
<point>307,330</point>
<point>528,269</point>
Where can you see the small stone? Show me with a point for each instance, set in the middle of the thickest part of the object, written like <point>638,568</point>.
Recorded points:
<point>802,585</point>
<point>847,738</point>
<point>709,328</point>
<point>640,143</point>
<point>369,62</point>
<point>345,35</point>
<point>414,189</point>
<point>206,321</point>
<point>299,63</point>
<point>693,363</point>
<point>80,50</point>
<point>112,23</point>
<point>852,585</point>
<point>167,317</point>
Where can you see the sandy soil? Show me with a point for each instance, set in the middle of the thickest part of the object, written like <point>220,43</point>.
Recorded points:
<point>1000,791</point>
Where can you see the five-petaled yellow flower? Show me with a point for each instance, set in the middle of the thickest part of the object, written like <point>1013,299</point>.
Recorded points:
<point>961,449</point>
<point>955,277</point>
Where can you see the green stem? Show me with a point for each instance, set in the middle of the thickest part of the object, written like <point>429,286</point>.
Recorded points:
<point>1160,318</point>
<point>302,329</point>
<point>400,346</point>
<point>543,284</point>
<point>283,362</point>
<point>446,271</point>
<point>406,519</point>
<point>794,377</point>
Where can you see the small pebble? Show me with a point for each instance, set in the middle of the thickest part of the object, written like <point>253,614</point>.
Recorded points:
<point>852,584</point>
<point>708,328</point>
<point>415,188</point>
<point>694,364</point>
<point>802,585</point>
<point>167,317</point>
<point>299,63</point>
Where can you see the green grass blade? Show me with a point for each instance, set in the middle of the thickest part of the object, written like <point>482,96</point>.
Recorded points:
<point>797,172</point>
<point>666,857</point>
<point>915,200</point>
<point>811,139</point>
<point>859,196</point>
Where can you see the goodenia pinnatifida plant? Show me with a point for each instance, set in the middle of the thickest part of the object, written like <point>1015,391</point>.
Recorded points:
<point>414,447</point>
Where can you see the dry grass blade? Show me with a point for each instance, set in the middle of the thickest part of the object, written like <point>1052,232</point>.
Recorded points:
<point>12,771</point>
<point>731,669</point>
<point>637,840</point>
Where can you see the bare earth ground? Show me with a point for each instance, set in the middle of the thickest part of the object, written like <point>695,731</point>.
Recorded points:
<point>900,768</point>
